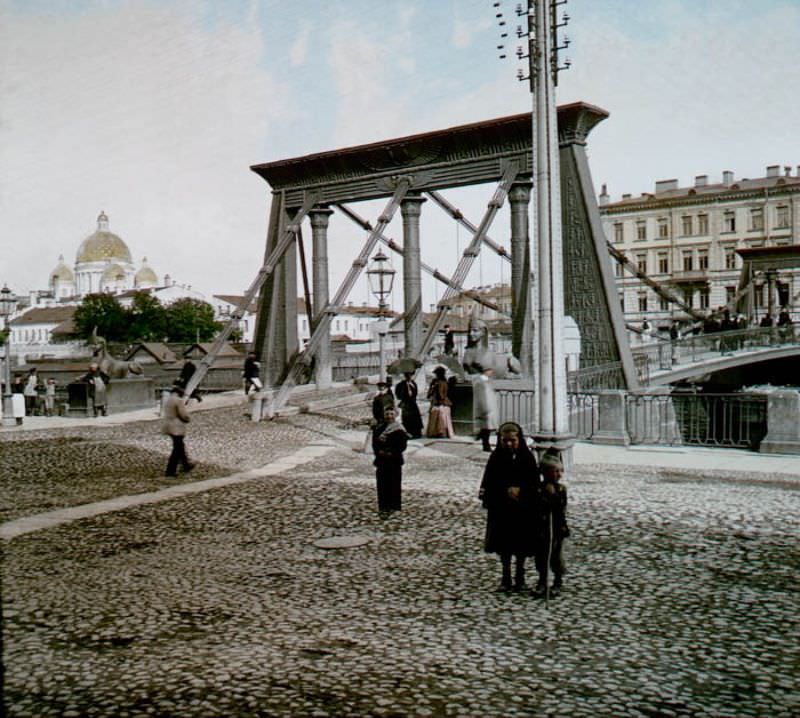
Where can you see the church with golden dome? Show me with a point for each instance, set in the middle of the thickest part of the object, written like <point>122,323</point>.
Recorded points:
<point>103,263</point>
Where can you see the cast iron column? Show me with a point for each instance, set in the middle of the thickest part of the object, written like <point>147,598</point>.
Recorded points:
<point>552,420</point>
<point>522,330</point>
<point>411,208</point>
<point>319,217</point>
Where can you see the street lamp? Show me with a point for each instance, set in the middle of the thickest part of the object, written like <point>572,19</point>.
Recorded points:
<point>8,303</point>
<point>380,276</point>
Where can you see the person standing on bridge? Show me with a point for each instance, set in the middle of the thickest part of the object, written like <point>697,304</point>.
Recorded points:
<point>440,422</point>
<point>510,494</point>
<point>252,369</point>
<point>389,441</point>
<point>97,381</point>
<point>553,528</point>
<point>406,392</point>
<point>484,406</point>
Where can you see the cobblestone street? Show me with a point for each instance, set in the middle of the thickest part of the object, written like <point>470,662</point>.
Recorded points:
<point>681,598</point>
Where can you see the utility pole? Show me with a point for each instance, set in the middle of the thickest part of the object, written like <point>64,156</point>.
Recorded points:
<point>550,376</point>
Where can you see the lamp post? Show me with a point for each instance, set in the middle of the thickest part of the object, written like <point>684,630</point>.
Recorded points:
<point>380,276</point>
<point>7,303</point>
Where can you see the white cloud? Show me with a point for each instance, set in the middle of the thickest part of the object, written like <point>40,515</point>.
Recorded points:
<point>369,105</point>
<point>299,48</point>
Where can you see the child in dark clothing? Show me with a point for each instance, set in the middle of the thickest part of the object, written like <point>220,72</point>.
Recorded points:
<point>553,526</point>
<point>509,491</point>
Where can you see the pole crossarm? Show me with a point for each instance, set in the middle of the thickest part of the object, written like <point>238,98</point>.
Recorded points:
<point>469,255</point>
<point>300,361</point>
<point>266,270</point>
<point>435,273</point>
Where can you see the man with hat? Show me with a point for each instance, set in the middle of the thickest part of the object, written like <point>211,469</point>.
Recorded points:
<point>381,401</point>
<point>176,417</point>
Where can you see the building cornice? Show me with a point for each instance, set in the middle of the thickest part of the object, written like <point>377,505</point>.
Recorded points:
<point>653,202</point>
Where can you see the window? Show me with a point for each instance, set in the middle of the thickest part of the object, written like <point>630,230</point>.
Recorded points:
<point>702,224</point>
<point>782,217</point>
<point>663,304</point>
<point>622,302</point>
<point>704,298</point>
<point>687,296</point>
<point>729,221</point>
<point>730,293</point>
<point>663,263</point>
<point>643,302</point>
<point>337,325</point>
<point>618,235</point>
<point>641,230</point>
<point>641,262</point>
<point>757,219</point>
<point>730,257</point>
<point>702,260</point>
<point>663,228</point>
<point>688,263</point>
<point>686,225</point>
<point>618,271</point>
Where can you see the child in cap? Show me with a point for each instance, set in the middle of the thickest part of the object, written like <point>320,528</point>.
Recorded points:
<point>553,527</point>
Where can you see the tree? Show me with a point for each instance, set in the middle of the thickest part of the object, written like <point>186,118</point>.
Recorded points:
<point>104,312</point>
<point>190,320</point>
<point>147,317</point>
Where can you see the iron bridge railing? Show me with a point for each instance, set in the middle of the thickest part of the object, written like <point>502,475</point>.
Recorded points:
<point>665,355</point>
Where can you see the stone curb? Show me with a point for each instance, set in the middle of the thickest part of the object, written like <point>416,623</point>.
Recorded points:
<point>51,519</point>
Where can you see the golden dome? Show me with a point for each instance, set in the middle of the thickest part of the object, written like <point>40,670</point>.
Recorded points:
<point>145,275</point>
<point>103,245</point>
<point>62,273</point>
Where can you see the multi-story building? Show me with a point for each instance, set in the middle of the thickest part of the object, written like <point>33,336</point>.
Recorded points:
<point>688,239</point>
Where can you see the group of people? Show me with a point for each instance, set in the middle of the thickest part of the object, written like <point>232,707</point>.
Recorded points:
<point>35,396</point>
<point>526,503</point>
<point>526,507</point>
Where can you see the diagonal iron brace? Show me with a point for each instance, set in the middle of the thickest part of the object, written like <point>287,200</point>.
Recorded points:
<point>303,359</point>
<point>263,274</point>
<point>468,257</point>
<point>435,273</point>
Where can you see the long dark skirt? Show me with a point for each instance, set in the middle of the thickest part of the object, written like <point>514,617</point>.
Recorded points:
<point>510,530</point>
<point>412,419</point>
<point>389,480</point>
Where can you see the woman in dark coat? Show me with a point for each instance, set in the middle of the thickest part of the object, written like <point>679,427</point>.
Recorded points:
<point>406,392</point>
<point>510,493</point>
<point>389,441</point>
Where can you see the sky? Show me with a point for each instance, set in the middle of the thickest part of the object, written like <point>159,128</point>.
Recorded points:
<point>154,110</point>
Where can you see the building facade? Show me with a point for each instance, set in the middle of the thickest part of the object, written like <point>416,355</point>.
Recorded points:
<point>688,240</point>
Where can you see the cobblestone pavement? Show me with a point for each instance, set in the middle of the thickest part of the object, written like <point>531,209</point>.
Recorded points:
<point>681,600</point>
<point>46,470</point>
